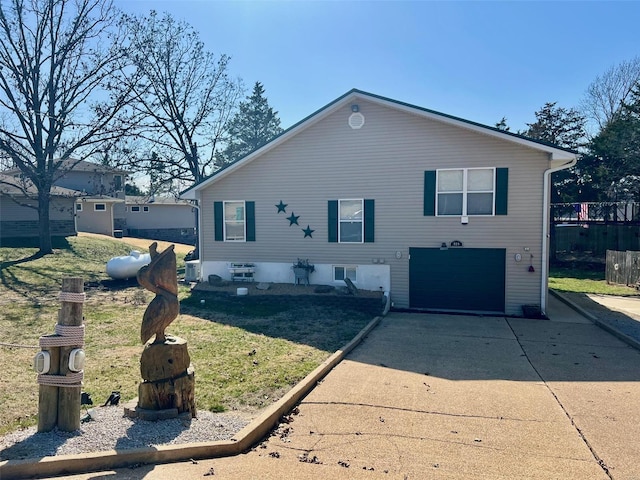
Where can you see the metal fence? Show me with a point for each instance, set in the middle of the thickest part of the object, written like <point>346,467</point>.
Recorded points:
<point>623,268</point>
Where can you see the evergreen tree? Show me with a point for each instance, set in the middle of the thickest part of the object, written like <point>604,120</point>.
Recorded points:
<point>615,153</point>
<point>255,124</point>
<point>564,128</point>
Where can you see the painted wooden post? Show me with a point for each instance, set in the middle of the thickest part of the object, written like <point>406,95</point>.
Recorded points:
<point>60,389</point>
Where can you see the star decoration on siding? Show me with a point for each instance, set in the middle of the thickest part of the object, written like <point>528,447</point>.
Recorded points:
<point>293,219</point>
<point>307,232</point>
<point>281,207</point>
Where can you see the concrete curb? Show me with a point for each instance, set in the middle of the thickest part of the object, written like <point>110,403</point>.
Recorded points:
<point>604,325</point>
<point>242,441</point>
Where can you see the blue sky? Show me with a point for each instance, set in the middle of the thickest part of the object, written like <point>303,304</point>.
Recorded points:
<point>476,60</point>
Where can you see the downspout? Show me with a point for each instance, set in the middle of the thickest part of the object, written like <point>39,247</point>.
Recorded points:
<point>546,209</point>
<point>199,233</point>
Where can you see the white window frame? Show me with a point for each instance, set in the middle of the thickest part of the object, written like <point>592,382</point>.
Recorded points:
<point>103,209</point>
<point>465,192</point>
<point>134,207</point>
<point>145,209</point>
<point>225,221</point>
<point>340,220</point>
<point>345,269</point>
<point>78,207</point>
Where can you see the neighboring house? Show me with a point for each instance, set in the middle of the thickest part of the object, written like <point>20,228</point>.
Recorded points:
<point>159,218</point>
<point>99,186</point>
<point>444,213</point>
<point>19,212</point>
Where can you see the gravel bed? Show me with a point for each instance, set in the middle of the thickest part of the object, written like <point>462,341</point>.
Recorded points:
<point>111,430</point>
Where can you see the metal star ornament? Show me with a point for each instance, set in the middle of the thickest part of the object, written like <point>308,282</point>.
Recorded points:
<point>281,207</point>
<point>293,219</point>
<point>307,232</point>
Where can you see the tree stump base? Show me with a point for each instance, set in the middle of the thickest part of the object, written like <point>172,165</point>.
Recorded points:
<point>169,378</point>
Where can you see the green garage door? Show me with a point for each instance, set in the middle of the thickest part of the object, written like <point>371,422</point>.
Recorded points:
<point>457,279</point>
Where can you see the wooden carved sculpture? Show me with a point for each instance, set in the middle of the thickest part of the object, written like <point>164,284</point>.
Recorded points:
<point>168,387</point>
<point>160,278</point>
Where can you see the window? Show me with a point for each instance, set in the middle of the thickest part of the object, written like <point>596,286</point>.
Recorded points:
<point>234,221</point>
<point>99,207</point>
<point>466,191</point>
<point>351,220</point>
<point>117,182</point>
<point>78,207</point>
<point>145,209</point>
<point>135,208</point>
<point>341,272</point>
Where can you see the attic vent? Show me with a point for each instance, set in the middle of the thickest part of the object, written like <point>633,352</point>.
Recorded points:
<point>356,120</point>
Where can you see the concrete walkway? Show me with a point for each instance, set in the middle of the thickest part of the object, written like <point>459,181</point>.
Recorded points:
<point>447,396</point>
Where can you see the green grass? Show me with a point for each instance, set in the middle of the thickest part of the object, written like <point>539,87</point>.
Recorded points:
<point>246,354</point>
<point>585,279</point>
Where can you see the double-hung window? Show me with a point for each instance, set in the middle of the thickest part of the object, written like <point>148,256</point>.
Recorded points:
<point>234,221</point>
<point>465,191</point>
<point>351,221</point>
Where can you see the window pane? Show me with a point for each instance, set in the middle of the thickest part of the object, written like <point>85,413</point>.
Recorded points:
<point>234,211</point>
<point>480,203</point>
<point>350,231</point>
<point>351,209</point>
<point>338,273</point>
<point>480,180</point>
<point>234,231</point>
<point>450,204</point>
<point>449,180</point>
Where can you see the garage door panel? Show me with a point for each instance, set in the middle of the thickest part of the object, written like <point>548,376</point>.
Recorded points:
<point>458,279</point>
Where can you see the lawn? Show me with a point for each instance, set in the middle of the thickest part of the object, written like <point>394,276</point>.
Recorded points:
<point>245,357</point>
<point>585,278</point>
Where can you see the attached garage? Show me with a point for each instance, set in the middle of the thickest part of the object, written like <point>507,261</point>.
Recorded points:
<point>457,279</point>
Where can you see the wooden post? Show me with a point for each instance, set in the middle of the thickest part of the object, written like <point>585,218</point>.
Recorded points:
<point>48,396</point>
<point>70,314</point>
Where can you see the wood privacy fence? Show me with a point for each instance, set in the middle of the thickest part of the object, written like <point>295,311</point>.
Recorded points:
<point>596,238</point>
<point>623,268</point>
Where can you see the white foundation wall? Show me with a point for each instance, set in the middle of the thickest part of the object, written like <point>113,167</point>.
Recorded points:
<point>370,277</point>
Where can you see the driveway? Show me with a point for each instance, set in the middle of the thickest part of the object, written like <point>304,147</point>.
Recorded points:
<point>452,396</point>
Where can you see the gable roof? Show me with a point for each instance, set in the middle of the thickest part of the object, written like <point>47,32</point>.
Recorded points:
<point>555,152</point>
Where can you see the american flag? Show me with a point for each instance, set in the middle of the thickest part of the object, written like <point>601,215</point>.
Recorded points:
<point>583,211</point>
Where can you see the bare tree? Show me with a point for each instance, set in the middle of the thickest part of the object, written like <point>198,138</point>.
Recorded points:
<point>59,102</point>
<point>185,95</point>
<point>608,91</point>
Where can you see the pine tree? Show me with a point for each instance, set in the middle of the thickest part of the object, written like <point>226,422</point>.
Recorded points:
<point>255,124</point>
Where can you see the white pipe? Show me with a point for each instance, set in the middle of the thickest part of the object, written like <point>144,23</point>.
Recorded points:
<point>546,209</point>
<point>387,304</point>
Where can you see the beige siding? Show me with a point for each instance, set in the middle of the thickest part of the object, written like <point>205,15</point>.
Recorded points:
<point>161,216</point>
<point>385,160</point>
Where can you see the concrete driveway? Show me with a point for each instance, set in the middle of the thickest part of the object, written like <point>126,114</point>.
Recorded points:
<point>450,396</point>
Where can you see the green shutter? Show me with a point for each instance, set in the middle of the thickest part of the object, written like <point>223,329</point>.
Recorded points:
<point>430,193</point>
<point>332,227</point>
<point>502,190</point>
<point>218,219</point>
<point>250,220</point>
<point>369,220</point>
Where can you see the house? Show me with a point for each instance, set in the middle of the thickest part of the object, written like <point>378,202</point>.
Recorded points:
<point>159,218</point>
<point>99,186</point>
<point>19,212</point>
<point>443,213</point>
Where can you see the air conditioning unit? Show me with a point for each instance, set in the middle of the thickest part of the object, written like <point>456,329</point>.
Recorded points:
<point>192,271</point>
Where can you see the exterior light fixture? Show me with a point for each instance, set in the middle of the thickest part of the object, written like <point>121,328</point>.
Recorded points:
<point>76,360</point>
<point>42,362</point>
